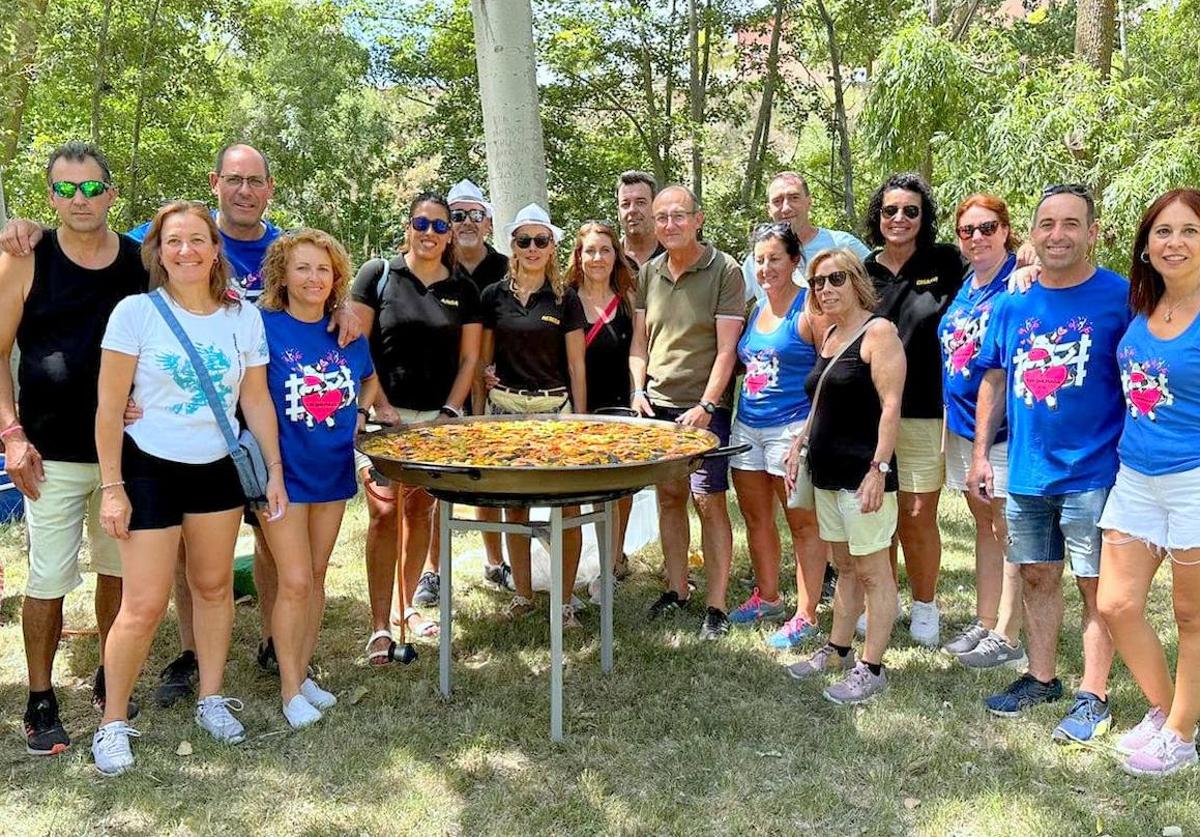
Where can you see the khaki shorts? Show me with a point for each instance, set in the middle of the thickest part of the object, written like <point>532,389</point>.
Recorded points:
<point>502,402</point>
<point>920,466</point>
<point>69,496</point>
<point>840,520</point>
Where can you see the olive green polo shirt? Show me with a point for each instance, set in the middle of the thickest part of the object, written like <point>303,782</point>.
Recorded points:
<point>681,321</point>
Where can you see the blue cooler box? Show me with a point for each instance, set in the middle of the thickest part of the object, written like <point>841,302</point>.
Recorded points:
<point>12,503</point>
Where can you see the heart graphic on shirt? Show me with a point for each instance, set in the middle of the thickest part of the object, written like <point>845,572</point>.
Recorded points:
<point>322,405</point>
<point>1145,399</point>
<point>756,383</point>
<point>961,356</point>
<point>1043,382</point>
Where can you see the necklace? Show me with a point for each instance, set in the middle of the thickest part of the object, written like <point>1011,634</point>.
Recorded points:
<point>1171,310</point>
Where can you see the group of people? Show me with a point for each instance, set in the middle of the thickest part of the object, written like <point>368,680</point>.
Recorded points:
<point>877,375</point>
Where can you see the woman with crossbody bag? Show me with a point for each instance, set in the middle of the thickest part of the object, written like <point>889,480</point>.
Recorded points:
<point>855,388</point>
<point>170,473</point>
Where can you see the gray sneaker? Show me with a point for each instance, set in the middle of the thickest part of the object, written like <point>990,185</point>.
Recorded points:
<point>993,650</point>
<point>213,716</point>
<point>826,659</point>
<point>429,588</point>
<point>498,575</point>
<point>110,747</point>
<point>967,640</point>
<point>859,686</point>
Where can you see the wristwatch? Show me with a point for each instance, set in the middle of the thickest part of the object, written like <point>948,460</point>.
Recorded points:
<point>709,407</point>
<point>881,467</point>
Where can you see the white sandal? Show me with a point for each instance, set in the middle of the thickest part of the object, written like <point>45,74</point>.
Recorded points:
<point>381,657</point>
<point>425,628</point>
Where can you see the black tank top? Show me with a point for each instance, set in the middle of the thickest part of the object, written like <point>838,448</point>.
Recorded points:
<point>62,324</point>
<point>607,361</point>
<point>845,428</point>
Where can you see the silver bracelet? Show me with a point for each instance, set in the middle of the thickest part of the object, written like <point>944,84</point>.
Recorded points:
<point>105,485</point>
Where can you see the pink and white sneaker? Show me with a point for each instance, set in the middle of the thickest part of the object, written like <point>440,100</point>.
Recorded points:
<point>1140,735</point>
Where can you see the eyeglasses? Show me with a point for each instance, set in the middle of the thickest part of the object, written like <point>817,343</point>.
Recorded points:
<point>458,216</point>
<point>910,210</point>
<point>539,241</point>
<point>65,189</point>
<point>836,279</point>
<point>987,228</point>
<point>1077,189</point>
<point>236,181</point>
<point>422,224</point>
<point>673,217</point>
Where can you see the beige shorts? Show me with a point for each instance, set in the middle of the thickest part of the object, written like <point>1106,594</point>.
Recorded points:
<point>840,520</point>
<point>69,496</point>
<point>920,466</point>
<point>959,453</point>
<point>502,402</point>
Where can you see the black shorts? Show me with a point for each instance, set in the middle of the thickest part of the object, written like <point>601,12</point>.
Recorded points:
<point>162,492</point>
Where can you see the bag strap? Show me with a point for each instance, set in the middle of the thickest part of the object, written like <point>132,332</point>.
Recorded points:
<point>812,409</point>
<point>604,320</point>
<point>385,271</point>
<point>202,375</point>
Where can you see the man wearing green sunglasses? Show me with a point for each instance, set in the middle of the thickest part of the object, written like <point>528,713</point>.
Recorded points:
<point>55,301</point>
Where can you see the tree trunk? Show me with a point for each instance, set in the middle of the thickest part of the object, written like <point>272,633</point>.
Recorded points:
<point>18,74</point>
<point>512,126</point>
<point>134,211</point>
<point>1095,23</point>
<point>3,205</point>
<point>668,147</point>
<point>840,122</point>
<point>962,20</point>
<point>695,98</point>
<point>98,79</point>
<point>654,136</point>
<point>759,141</point>
<point>937,11</point>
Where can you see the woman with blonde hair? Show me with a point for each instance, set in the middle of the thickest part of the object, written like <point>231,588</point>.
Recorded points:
<point>170,474</point>
<point>316,387</point>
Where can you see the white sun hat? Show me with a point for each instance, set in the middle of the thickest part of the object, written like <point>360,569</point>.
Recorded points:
<point>464,191</point>
<point>533,215</point>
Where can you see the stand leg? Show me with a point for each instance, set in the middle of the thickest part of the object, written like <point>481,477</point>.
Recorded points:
<point>606,544</point>
<point>445,512</point>
<point>556,627</point>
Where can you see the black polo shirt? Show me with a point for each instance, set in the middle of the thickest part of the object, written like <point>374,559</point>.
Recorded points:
<point>493,268</point>
<point>530,346</point>
<point>417,334</point>
<point>915,300</point>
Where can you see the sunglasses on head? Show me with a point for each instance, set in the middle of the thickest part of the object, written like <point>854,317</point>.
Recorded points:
<point>422,224</point>
<point>91,188</point>
<point>987,229</point>
<point>1078,189</point>
<point>836,279</point>
<point>910,210</point>
<point>541,241</point>
<point>460,215</point>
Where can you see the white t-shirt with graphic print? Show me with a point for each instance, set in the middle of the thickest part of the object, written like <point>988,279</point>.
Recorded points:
<point>177,423</point>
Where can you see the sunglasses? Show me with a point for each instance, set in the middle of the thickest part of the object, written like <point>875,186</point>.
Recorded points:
<point>460,215</point>
<point>91,188</point>
<point>987,229</point>
<point>836,279</point>
<point>422,224</point>
<point>539,241</point>
<point>1078,189</point>
<point>910,210</point>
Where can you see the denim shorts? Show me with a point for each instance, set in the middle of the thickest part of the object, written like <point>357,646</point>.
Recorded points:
<point>1055,528</point>
<point>713,475</point>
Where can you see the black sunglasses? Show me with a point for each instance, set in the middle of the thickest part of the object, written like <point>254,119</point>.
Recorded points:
<point>539,241</point>
<point>65,189</point>
<point>460,215</point>
<point>1078,189</point>
<point>422,224</point>
<point>987,228</point>
<point>836,279</point>
<point>911,211</point>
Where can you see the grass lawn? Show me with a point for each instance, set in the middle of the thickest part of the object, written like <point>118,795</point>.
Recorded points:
<point>683,737</point>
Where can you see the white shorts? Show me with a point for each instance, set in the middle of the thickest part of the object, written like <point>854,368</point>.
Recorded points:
<point>1163,510</point>
<point>960,451</point>
<point>840,520</point>
<point>768,446</point>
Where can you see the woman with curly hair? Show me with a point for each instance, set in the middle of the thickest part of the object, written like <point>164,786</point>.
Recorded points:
<point>316,387</point>
<point>916,279</point>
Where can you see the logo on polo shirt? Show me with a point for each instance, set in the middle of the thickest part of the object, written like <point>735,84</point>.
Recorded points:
<point>451,302</point>
<point>927,281</point>
<point>546,318</point>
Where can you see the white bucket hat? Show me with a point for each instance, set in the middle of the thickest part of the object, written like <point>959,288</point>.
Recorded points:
<point>464,191</point>
<point>533,215</point>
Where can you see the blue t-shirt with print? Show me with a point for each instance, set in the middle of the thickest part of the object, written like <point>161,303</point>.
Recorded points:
<point>245,257</point>
<point>776,365</point>
<point>314,386</point>
<point>1058,348</point>
<point>961,334</point>
<point>823,240</point>
<point>1161,380</point>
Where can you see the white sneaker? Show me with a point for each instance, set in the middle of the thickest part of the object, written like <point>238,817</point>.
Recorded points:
<point>213,716</point>
<point>315,695</point>
<point>110,747</point>
<point>926,624</point>
<point>300,713</point>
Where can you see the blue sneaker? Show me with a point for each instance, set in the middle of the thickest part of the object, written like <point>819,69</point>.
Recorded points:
<point>1024,692</point>
<point>792,634</point>
<point>757,609</point>
<point>1088,719</point>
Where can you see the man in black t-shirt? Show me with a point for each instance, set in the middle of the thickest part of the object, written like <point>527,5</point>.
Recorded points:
<point>471,217</point>
<point>55,301</point>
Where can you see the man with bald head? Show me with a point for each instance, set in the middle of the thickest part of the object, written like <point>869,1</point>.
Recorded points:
<point>687,320</point>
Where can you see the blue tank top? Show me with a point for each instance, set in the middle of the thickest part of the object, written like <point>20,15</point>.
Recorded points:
<point>776,365</point>
<point>1161,382</point>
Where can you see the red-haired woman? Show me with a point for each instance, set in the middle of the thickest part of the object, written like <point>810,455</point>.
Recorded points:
<point>986,240</point>
<point>1153,511</point>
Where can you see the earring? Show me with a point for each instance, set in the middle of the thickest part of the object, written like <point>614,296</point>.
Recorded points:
<point>1145,257</point>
